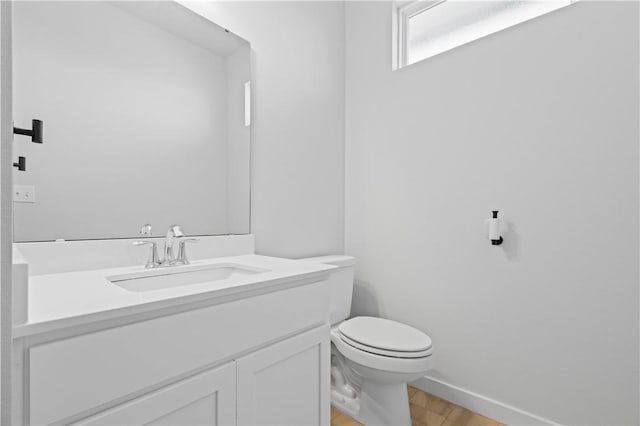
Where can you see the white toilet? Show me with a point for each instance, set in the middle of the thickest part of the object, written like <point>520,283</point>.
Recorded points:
<point>372,359</point>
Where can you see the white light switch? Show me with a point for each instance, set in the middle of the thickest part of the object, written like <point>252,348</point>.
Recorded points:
<point>24,194</point>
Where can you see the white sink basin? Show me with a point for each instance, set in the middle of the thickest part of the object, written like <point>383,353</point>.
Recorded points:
<point>162,278</point>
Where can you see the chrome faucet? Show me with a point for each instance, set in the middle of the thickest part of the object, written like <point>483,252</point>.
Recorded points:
<point>173,234</point>
<point>182,250</point>
<point>153,260</point>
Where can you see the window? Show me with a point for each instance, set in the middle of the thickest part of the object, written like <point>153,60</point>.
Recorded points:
<point>425,28</point>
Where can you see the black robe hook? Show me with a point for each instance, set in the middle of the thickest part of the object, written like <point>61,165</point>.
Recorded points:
<point>35,132</point>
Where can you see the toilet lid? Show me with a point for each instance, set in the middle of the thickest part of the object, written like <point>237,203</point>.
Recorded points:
<point>385,352</point>
<point>384,334</point>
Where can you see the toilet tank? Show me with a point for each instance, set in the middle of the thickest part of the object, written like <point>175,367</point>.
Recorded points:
<point>341,281</point>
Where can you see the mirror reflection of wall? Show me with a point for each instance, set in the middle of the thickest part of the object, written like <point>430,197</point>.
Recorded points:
<point>143,105</point>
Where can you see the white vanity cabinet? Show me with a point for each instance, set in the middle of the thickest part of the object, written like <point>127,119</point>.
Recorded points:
<point>286,383</point>
<point>255,359</point>
<point>209,398</point>
<point>282,384</point>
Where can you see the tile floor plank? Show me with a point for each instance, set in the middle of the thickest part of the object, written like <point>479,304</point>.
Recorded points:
<point>344,420</point>
<point>422,417</point>
<point>334,413</point>
<point>427,410</point>
<point>412,391</point>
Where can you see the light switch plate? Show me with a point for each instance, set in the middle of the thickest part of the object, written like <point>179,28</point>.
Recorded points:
<point>24,194</point>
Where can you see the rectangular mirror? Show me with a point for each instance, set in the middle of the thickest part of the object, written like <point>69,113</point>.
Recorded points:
<point>143,110</point>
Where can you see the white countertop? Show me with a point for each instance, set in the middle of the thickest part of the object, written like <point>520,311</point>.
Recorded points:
<point>63,300</point>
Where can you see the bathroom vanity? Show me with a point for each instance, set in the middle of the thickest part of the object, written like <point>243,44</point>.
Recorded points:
<point>101,336</point>
<point>227,340</point>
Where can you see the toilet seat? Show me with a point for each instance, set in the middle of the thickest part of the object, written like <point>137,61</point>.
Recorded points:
<point>383,345</point>
<point>378,361</point>
<point>385,337</point>
<point>384,352</point>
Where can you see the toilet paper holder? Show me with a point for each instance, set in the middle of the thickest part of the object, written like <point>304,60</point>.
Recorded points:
<point>494,229</point>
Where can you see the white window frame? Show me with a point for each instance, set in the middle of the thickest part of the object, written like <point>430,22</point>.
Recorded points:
<point>402,11</point>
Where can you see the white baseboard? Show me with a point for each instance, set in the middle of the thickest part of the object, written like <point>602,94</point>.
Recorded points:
<point>480,404</point>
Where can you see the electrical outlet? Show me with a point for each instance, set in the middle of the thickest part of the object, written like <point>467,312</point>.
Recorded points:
<point>24,194</point>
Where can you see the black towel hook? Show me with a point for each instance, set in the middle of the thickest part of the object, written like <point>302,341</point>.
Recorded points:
<point>21,164</point>
<point>35,132</point>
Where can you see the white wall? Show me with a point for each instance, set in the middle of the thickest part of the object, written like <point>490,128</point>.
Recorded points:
<point>541,122</point>
<point>297,182</point>
<point>135,125</point>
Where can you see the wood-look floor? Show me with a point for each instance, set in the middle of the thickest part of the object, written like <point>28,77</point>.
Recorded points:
<point>428,410</point>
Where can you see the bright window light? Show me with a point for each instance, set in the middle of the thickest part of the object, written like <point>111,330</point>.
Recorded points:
<point>427,28</point>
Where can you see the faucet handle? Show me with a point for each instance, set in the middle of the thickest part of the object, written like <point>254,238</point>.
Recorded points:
<point>182,249</point>
<point>146,230</point>
<point>153,260</point>
<point>176,231</point>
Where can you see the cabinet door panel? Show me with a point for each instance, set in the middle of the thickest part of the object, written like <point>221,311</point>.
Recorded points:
<point>206,399</point>
<point>204,411</point>
<point>286,383</point>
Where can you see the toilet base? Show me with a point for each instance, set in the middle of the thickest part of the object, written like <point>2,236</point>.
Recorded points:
<point>384,405</point>
<point>371,388</point>
<point>370,402</point>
